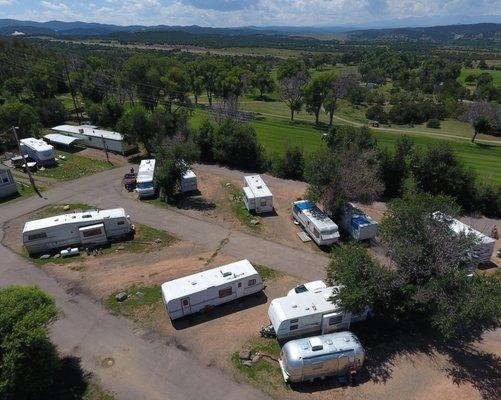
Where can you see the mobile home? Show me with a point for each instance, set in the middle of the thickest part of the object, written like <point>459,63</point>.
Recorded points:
<point>483,251</point>
<point>309,312</point>
<point>307,287</point>
<point>144,181</point>
<point>358,224</point>
<point>210,288</point>
<point>315,222</point>
<point>7,184</point>
<point>38,150</point>
<point>257,196</point>
<point>335,354</point>
<point>89,228</point>
<point>189,182</point>
<point>91,136</point>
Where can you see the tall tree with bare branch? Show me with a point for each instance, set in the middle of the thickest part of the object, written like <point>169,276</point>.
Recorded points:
<point>291,91</point>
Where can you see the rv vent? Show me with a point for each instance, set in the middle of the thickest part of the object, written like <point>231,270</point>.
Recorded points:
<point>259,187</point>
<point>316,343</point>
<point>81,130</point>
<point>329,342</point>
<point>225,274</point>
<point>194,282</point>
<point>294,305</point>
<point>73,216</point>
<point>87,216</point>
<point>346,339</point>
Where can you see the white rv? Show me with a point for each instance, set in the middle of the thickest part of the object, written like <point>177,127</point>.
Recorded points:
<point>257,196</point>
<point>144,182</point>
<point>335,354</point>
<point>358,224</point>
<point>7,184</point>
<point>315,222</point>
<point>189,182</point>
<point>89,228</point>
<point>38,151</point>
<point>207,289</point>
<point>91,136</point>
<point>307,287</point>
<point>483,252</point>
<point>308,312</point>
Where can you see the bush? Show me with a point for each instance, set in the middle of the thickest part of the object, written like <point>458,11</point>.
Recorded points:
<point>377,113</point>
<point>488,200</point>
<point>291,165</point>
<point>51,112</point>
<point>433,123</point>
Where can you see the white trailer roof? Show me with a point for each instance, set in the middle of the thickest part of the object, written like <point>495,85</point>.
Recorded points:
<point>460,227</point>
<point>146,170</point>
<point>195,283</point>
<point>60,139</point>
<point>256,184</point>
<point>302,304</point>
<point>189,174</point>
<point>36,144</point>
<point>88,130</point>
<point>315,215</point>
<point>79,217</point>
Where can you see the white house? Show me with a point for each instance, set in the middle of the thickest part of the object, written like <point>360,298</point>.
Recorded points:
<point>315,222</point>
<point>145,176</point>
<point>358,224</point>
<point>38,150</point>
<point>257,196</point>
<point>309,312</point>
<point>7,184</point>
<point>88,228</point>
<point>91,136</point>
<point>210,288</point>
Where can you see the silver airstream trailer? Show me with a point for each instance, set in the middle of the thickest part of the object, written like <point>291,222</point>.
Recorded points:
<point>335,354</point>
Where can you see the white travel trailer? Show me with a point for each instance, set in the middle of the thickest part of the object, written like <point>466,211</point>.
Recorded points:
<point>91,136</point>
<point>7,184</point>
<point>358,224</point>
<point>335,354</point>
<point>315,222</point>
<point>210,288</point>
<point>257,196</point>
<point>308,312</point>
<point>88,228</point>
<point>38,150</point>
<point>483,252</point>
<point>189,182</point>
<point>307,287</point>
<point>144,181</point>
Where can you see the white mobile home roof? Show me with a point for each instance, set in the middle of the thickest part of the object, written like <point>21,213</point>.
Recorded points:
<point>460,227</point>
<point>36,144</point>
<point>195,283</point>
<point>317,216</point>
<point>86,216</point>
<point>146,170</point>
<point>257,186</point>
<point>88,130</point>
<point>60,139</point>
<point>303,304</point>
<point>189,174</point>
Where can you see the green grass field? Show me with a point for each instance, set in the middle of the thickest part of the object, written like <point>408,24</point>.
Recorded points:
<point>496,75</point>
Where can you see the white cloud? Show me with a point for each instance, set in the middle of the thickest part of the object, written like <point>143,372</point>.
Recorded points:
<point>6,2</point>
<point>54,6</point>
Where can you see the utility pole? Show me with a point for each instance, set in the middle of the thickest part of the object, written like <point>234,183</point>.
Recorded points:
<point>105,149</point>
<point>71,91</point>
<point>32,181</point>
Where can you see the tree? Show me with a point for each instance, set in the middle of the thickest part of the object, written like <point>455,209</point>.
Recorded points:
<point>195,79</point>
<point>135,124</point>
<point>340,87</point>
<point>291,91</point>
<point>394,168</point>
<point>233,82</point>
<point>175,84</point>
<point>291,67</point>
<point>28,360</point>
<point>481,125</point>
<point>291,165</point>
<point>15,86</point>
<point>315,93</point>
<point>480,110</point>
<point>211,69</point>
<point>21,115</point>
<point>264,82</point>
<point>377,113</point>
<point>433,123</point>
<point>45,78</point>
<point>51,112</point>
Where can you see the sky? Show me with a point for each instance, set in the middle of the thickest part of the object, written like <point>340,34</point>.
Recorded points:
<point>226,13</point>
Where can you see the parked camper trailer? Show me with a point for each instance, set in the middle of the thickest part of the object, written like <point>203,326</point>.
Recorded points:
<point>307,287</point>
<point>7,184</point>
<point>315,222</point>
<point>210,288</point>
<point>308,312</point>
<point>483,252</point>
<point>39,151</point>
<point>358,224</point>
<point>257,196</point>
<point>91,136</point>
<point>335,354</point>
<point>89,228</point>
<point>189,182</point>
<point>144,182</point>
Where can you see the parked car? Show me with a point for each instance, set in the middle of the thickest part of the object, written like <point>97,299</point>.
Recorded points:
<point>129,181</point>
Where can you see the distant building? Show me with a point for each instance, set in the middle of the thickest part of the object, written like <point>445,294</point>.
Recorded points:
<point>17,33</point>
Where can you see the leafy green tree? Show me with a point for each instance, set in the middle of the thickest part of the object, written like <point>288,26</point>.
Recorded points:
<point>264,82</point>
<point>21,115</point>
<point>111,112</point>
<point>291,165</point>
<point>316,91</point>
<point>377,113</point>
<point>481,125</point>
<point>51,112</point>
<point>433,123</point>
<point>28,360</point>
<point>45,78</point>
<point>340,88</point>
<point>394,166</point>
<point>211,69</point>
<point>15,86</point>
<point>135,125</point>
<point>175,83</point>
<point>291,91</point>
<point>291,67</point>
<point>195,79</point>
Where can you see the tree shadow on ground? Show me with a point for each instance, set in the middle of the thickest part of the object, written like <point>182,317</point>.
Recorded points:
<point>70,382</point>
<point>385,343</point>
<point>194,201</point>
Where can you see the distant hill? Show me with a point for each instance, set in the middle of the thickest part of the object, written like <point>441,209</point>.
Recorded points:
<point>485,33</point>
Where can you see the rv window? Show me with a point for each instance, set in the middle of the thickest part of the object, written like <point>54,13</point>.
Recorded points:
<point>239,284</point>
<point>336,320</point>
<point>185,302</point>
<point>92,232</point>
<point>225,292</point>
<point>37,236</point>
<point>293,327</point>
<point>251,282</point>
<point>263,203</point>
<point>294,321</point>
<point>316,232</point>
<point>120,222</point>
<point>5,180</point>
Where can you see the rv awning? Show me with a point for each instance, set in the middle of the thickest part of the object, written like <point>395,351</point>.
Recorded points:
<point>60,139</point>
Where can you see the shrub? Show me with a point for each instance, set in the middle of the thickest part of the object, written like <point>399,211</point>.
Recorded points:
<point>433,123</point>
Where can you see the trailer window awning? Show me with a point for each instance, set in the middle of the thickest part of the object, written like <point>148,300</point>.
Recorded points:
<point>60,139</point>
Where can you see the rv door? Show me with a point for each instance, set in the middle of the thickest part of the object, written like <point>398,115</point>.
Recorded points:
<point>334,322</point>
<point>240,290</point>
<point>186,305</point>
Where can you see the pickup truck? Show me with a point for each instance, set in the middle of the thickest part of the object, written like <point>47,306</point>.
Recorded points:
<point>129,181</point>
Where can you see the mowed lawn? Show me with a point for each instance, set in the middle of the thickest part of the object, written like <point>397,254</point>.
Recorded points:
<point>496,75</point>
<point>276,133</point>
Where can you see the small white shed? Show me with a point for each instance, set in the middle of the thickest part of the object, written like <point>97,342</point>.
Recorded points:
<point>38,151</point>
<point>257,196</point>
<point>189,182</point>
